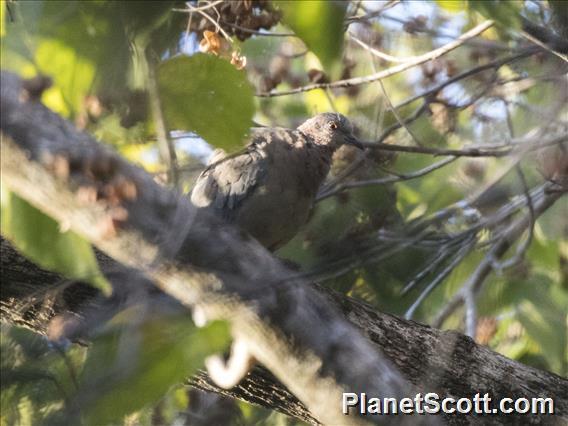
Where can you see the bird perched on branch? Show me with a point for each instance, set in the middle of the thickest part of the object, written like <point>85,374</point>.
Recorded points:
<point>268,189</point>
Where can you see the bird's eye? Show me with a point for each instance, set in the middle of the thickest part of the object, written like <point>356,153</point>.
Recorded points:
<point>332,125</point>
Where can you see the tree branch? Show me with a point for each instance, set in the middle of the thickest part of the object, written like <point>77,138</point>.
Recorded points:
<point>357,81</point>
<point>433,360</point>
<point>192,256</point>
<point>384,181</point>
<point>497,150</point>
<point>545,199</point>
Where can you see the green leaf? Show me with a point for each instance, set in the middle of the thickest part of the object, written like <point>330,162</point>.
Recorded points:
<point>2,18</point>
<point>39,238</point>
<point>32,344</point>
<point>65,39</point>
<point>505,13</point>
<point>206,94</point>
<point>548,328</point>
<point>426,133</point>
<point>452,6</point>
<point>319,24</point>
<point>36,376</point>
<point>73,76</point>
<point>131,367</point>
<point>87,47</point>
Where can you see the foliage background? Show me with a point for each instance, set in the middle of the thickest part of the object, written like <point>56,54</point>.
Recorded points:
<point>111,61</point>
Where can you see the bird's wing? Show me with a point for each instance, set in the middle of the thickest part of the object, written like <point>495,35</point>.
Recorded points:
<point>228,181</point>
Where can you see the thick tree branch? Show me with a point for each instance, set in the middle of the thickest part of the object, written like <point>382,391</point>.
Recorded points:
<point>433,360</point>
<point>192,256</point>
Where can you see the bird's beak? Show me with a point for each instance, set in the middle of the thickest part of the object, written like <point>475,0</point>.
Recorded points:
<point>352,140</point>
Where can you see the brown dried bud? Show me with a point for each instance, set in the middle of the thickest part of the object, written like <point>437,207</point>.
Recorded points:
<point>87,194</point>
<point>266,84</point>
<point>106,228</point>
<point>60,166</point>
<point>451,68</point>
<point>486,329</point>
<point>279,67</point>
<point>127,190</point>
<point>119,214</point>
<point>36,86</point>
<point>212,43</point>
<point>317,76</point>
<point>416,24</point>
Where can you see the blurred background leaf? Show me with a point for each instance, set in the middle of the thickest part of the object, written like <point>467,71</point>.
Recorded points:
<point>207,95</point>
<point>142,362</point>
<point>308,19</point>
<point>41,239</point>
<point>504,13</point>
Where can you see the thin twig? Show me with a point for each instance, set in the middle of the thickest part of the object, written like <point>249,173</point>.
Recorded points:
<point>259,33</point>
<point>166,147</point>
<point>399,124</point>
<point>428,99</point>
<point>523,247</point>
<point>373,14</point>
<point>543,199</point>
<point>399,120</point>
<point>192,9</point>
<point>496,64</point>
<point>431,265</point>
<point>209,18</point>
<point>356,81</point>
<point>497,150</point>
<point>544,46</point>
<point>380,54</point>
<point>339,267</point>
<point>387,180</point>
<point>457,258</point>
<point>470,314</point>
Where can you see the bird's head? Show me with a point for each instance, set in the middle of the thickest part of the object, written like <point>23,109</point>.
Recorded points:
<point>330,129</point>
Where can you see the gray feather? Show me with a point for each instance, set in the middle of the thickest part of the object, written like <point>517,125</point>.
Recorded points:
<point>269,187</point>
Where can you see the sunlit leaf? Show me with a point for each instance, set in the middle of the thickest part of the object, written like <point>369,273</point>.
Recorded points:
<point>207,95</point>
<point>319,24</point>
<point>39,238</point>
<point>65,39</point>
<point>452,6</point>
<point>2,18</point>
<point>72,75</point>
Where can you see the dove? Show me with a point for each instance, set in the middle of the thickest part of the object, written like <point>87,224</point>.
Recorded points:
<point>269,188</point>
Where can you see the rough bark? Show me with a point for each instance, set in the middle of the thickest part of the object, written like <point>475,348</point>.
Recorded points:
<point>445,362</point>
